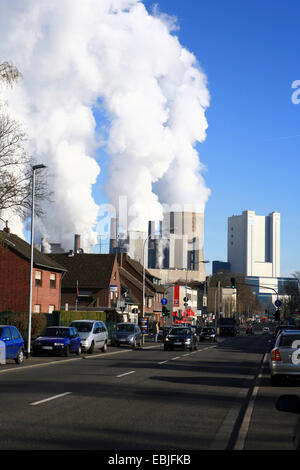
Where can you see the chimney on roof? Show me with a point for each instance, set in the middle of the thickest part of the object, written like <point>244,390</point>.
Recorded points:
<point>6,228</point>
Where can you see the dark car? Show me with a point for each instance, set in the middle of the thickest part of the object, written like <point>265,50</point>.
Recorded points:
<point>280,328</point>
<point>12,344</point>
<point>208,333</point>
<point>182,338</point>
<point>61,340</point>
<point>128,334</point>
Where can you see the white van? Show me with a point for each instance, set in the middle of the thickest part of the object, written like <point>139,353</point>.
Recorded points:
<point>93,334</point>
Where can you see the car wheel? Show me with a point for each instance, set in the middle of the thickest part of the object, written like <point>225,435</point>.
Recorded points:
<point>78,352</point>
<point>104,349</point>
<point>91,349</point>
<point>67,351</point>
<point>20,357</point>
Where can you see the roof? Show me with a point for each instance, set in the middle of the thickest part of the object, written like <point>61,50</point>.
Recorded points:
<point>126,276</point>
<point>92,271</point>
<point>138,267</point>
<point>23,249</point>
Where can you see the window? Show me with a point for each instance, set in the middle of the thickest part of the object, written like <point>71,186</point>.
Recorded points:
<point>36,309</point>
<point>15,333</point>
<point>38,278</point>
<point>51,308</point>
<point>52,280</point>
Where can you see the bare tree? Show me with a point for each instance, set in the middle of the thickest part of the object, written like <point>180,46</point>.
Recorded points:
<point>9,73</point>
<point>15,163</point>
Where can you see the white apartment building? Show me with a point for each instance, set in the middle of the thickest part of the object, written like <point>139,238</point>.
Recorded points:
<point>254,244</point>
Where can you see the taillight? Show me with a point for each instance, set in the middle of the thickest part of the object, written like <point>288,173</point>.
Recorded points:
<point>276,355</point>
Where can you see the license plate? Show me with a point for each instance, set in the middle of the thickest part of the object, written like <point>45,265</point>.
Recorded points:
<point>47,347</point>
<point>177,342</point>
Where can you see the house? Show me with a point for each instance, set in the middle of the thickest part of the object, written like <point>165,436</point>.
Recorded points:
<point>131,276</point>
<point>91,280</point>
<point>15,256</point>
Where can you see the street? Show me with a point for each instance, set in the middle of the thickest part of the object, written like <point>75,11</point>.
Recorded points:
<point>216,398</point>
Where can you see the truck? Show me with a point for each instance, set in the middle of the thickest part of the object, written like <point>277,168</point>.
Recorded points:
<point>228,327</point>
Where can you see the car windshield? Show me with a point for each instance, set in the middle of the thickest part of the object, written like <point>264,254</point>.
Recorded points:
<point>287,340</point>
<point>60,332</point>
<point>180,331</point>
<point>83,327</point>
<point>125,327</point>
<point>208,330</point>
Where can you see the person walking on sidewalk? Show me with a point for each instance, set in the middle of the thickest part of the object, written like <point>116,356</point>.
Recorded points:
<point>156,332</point>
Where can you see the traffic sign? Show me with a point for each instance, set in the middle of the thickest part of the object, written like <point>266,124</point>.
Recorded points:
<point>164,301</point>
<point>277,303</point>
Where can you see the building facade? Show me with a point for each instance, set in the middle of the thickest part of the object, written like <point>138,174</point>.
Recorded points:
<point>254,244</point>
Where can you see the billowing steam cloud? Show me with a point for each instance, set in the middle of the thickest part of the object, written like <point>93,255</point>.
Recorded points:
<point>111,55</point>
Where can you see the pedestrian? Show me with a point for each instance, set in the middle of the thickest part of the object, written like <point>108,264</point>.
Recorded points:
<point>156,332</point>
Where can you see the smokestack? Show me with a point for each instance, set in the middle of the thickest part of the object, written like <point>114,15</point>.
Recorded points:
<point>76,243</point>
<point>113,242</point>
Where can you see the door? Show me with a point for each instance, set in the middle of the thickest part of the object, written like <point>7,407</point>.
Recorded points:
<point>75,339</point>
<point>99,340</point>
<point>9,346</point>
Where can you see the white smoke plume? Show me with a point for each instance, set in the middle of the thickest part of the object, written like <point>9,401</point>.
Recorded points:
<point>114,56</point>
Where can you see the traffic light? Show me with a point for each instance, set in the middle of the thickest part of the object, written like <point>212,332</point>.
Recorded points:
<point>277,315</point>
<point>165,311</point>
<point>232,280</point>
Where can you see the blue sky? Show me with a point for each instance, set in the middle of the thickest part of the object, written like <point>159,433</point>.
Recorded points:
<point>250,53</point>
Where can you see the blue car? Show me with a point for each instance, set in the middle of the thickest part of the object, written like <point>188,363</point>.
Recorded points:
<point>61,340</point>
<point>12,342</point>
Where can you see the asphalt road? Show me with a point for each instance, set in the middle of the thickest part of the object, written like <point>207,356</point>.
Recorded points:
<point>219,397</point>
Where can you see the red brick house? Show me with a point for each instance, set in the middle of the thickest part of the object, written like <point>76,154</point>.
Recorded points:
<point>15,277</point>
<point>131,274</point>
<point>91,280</point>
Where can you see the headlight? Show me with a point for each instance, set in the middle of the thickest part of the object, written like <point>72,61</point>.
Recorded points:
<point>58,344</point>
<point>167,339</point>
<point>188,340</point>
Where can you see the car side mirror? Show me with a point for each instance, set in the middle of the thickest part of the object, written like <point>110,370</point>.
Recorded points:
<point>290,403</point>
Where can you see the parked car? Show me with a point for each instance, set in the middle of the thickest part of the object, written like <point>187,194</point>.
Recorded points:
<point>284,358</point>
<point>61,340</point>
<point>208,333</point>
<point>280,328</point>
<point>182,338</point>
<point>127,333</point>
<point>93,334</point>
<point>13,342</point>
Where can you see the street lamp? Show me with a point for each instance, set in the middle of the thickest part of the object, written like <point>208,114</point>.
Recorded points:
<point>34,168</point>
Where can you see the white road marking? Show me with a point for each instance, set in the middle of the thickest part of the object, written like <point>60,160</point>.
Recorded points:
<point>50,398</point>
<point>241,439</point>
<point>126,373</point>
<point>174,358</point>
<point>163,362</point>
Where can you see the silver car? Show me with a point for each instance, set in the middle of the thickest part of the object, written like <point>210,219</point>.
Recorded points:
<point>93,334</point>
<point>285,356</point>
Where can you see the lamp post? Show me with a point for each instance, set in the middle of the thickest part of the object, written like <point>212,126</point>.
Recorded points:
<point>34,168</point>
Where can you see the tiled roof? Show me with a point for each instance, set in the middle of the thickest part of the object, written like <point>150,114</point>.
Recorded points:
<point>90,270</point>
<point>22,248</point>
